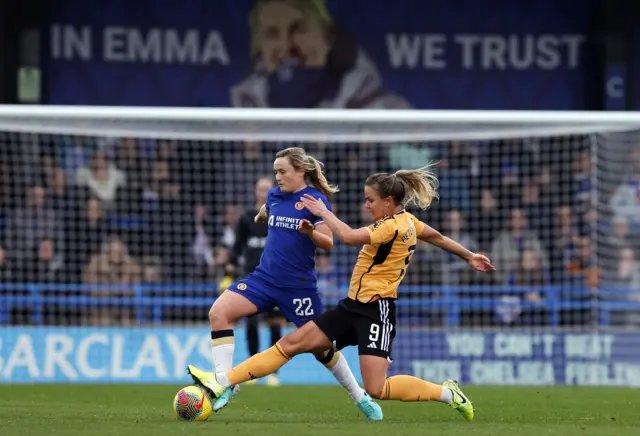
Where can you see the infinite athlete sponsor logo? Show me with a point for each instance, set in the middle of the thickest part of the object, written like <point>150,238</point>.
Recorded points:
<point>284,222</point>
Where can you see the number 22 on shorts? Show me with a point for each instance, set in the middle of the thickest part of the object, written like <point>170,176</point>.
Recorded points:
<point>303,306</point>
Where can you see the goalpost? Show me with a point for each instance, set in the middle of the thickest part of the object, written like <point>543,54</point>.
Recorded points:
<point>122,218</point>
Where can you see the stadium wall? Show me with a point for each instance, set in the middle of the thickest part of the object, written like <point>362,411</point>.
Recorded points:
<point>160,355</point>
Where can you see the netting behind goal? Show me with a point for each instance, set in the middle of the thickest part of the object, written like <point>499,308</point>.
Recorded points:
<point>123,242</point>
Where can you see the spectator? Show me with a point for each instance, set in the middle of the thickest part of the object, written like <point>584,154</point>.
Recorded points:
<point>506,165</point>
<point>102,178</point>
<point>563,243</point>
<point>129,161</point>
<point>583,267</point>
<point>152,270</point>
<point>626,198</point>
<point>45,266</point>
<point>487,221</point>
<point>6,272</point>
<point>113,266</point>
<point>86,234</point>
<point>354,171</point>
<point>508,246</point>
<point>626,274</point>
<point>6,185</point>
<point>161,184</point>
<point>202,245</point>
<point>530,273</point>
<point>472,315</point>
<point>454,188</point>
<point>230,219</point>
<point>220,272</point>
<point>168,233</point>
<point>539,211</point>
<point>623,283</point>
<point>76,156</point>
<point>329,278</point>
<point>583,187</point>
<point>60,201</point>
<point>452,265</point>
<point>402,156</point>
<point>33,223</point>
<point>619,237</point>
<point>236,170</point>
<point>227,278</point>
<point>47,169</point>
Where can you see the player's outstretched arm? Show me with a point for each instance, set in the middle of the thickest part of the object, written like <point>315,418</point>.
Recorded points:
<point>434,237</point>
<point>320,234</point>
<point>342,230</point>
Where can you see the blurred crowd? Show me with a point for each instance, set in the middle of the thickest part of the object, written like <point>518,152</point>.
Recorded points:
<point>550,212</point>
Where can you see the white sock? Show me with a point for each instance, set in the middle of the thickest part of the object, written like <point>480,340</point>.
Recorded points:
<point>345,377</point>
<point>223,379</point>
<point>446,396</point>
<point>222,353</point>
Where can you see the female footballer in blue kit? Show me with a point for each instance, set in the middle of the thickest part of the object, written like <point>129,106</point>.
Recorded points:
<point>286,275</point>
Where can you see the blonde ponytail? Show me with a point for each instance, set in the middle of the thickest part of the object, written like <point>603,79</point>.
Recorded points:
<point>317,178</point>
<point>417,186</point>
<point>312,167</point>
<point>422,186</point>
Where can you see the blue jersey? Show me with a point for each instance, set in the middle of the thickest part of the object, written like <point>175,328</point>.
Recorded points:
<point>288,259</point>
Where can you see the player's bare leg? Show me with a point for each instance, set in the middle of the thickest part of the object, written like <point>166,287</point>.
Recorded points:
<point>275,325</point>
<point>409,388</point>
<point>227,310</point>
<point>308,338</point>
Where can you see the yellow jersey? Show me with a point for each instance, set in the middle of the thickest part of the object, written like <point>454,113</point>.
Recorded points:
<point>382,264</point>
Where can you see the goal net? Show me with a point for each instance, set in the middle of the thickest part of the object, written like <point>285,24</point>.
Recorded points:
<point>118,226</point>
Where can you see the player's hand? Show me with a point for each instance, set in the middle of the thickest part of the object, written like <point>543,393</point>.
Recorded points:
<point>313,205</point>
<point>262,216</point>
<point>305,227</point>
<point>481,263</point>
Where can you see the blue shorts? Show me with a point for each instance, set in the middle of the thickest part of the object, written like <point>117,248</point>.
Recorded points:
<point>298,305</point>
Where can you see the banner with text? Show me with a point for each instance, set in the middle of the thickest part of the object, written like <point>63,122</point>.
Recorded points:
<point>458,54</point>
<point>160,355</point>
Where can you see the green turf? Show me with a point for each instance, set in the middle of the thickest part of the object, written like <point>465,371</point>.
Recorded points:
<point>130,410</point>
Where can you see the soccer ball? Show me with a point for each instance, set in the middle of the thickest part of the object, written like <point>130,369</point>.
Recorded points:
<point>192,404</point>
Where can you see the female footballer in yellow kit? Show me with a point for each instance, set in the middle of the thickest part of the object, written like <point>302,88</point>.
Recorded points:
<point>366,318</point>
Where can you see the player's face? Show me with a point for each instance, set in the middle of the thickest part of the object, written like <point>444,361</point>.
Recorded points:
<point>288,178</point>
<point>262,188</point>
<point>377,207</point>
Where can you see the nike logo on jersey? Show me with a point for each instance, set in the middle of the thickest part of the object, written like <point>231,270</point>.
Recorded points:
<point>372,345</point>
<point>273,204</point>
<point>199,405</point>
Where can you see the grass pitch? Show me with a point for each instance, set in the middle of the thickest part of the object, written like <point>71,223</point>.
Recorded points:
<point>128,410</point>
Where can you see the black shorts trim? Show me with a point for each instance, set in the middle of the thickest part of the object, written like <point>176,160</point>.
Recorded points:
<point>370,326</point>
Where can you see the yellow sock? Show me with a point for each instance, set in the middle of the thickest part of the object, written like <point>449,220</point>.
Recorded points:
<point>408,388</point>
<point>265,363</point>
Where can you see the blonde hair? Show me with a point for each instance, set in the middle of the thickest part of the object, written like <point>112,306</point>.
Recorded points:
<point>405,187</point>
<point>316,9</point>
<point>300,160</point>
